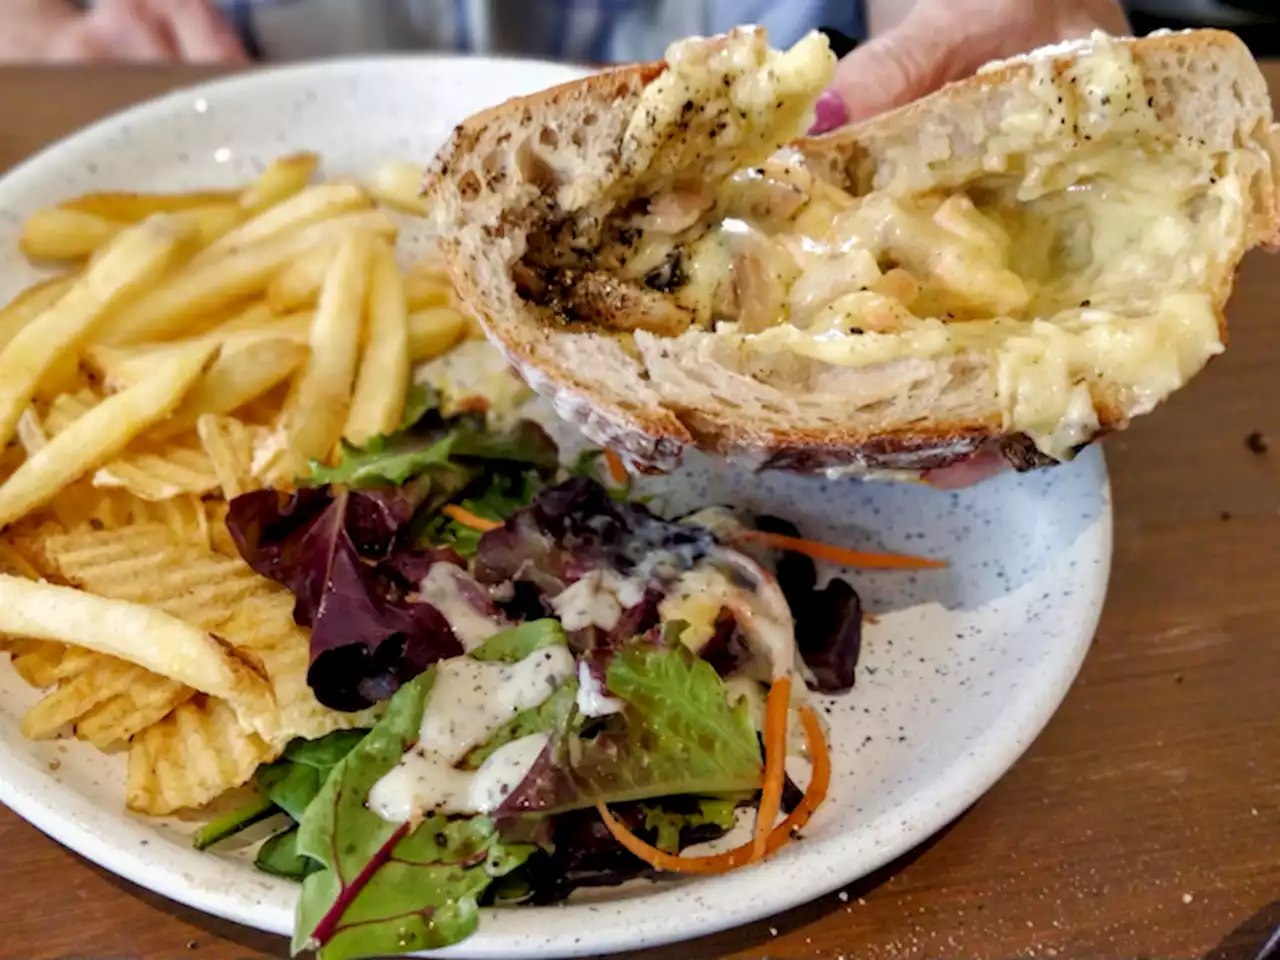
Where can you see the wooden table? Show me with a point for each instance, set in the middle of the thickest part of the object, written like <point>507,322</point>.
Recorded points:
<point>1145,821</point>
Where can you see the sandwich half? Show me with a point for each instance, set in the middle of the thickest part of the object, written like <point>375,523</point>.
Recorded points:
<point>1022,261</point>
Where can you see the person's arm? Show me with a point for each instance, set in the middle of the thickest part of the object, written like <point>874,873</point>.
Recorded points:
<point>132,30</point>
<point>27,27</point>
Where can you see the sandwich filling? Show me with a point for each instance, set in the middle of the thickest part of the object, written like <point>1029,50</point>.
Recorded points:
<point>1080,252</point>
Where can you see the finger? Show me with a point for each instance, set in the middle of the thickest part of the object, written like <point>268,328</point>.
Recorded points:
<point>893,69</point>
<point>202,35</point>
<point>128,29</point>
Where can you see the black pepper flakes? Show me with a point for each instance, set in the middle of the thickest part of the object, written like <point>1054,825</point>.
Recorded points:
<point>1256,443</point>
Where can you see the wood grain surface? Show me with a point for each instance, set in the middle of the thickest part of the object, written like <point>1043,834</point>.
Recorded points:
<point>1144,822</point>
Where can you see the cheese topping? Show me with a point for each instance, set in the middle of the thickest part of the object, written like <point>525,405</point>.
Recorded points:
<point>1079,263</point>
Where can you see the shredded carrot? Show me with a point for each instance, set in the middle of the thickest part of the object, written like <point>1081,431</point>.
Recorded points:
<point>842,555</point>
<point>775,761</point>
<point>819,781</point>
<point>476,403</point>
<point>468,519</point>
<point>617,469</point>
<point>745,854</point>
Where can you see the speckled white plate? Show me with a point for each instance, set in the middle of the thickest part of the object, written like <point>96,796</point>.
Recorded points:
<point>961,672</point>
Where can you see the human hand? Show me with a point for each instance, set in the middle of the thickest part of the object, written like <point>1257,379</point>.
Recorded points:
<point>189,31</point>
<point>944,40</point>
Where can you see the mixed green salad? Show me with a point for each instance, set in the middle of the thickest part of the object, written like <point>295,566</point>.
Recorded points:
<point>573,689</point>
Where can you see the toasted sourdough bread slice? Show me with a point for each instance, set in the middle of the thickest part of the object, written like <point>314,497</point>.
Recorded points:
<point>1029,257</point>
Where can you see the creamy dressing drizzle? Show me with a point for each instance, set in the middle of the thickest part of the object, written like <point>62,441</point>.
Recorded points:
<point>440,589</point>
<point>427,783</point>
<point>468,703</point>
<point>593,698</point>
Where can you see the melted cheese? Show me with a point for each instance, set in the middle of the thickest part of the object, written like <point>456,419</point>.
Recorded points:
<point>1079,267</point>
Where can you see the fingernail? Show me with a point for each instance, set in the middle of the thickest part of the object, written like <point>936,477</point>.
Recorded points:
<point>829,113</point>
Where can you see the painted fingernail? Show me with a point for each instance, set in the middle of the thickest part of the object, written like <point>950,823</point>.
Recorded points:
<point>828,113</point>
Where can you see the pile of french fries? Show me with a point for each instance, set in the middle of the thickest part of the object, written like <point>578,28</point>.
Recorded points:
<point>193,347</point>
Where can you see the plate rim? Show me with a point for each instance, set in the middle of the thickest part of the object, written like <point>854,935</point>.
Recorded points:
<point>78,824</point>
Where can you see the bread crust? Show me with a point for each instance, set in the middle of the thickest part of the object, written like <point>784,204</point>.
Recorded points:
<point>486,203</point>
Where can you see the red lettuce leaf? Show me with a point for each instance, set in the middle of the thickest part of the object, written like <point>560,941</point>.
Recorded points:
<point>342,556</point>
<point>828,621</point>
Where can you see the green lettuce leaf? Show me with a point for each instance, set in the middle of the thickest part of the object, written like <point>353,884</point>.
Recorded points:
<point>293,781</point>
<point>677,734</point>
<point>681,735</point>
<point>383,888</point>
<point>387,459</point>
<point>513,645</point>
<point>543,718</point>
<point>505,494</point>
<point>668,823</point>
<point>279,857</point>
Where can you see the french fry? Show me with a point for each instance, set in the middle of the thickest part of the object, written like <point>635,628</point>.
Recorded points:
<point>203,288</point>
<point>147,564</point>
<point>319,409</point>
<point>31,433</point>
<point>66,410</point>
<point>211,223</point>
<point>378,402</point>
<point>161,474</point>
<point>297,287</point>
<point>228,443</point>
<point>135,258</point>
<point>134,207</point>
<point>98,436</point>
<point>236,377</point>
<point>140,635</point>
<point>190,758</point>
<point>61,234</point>
<point>312,205</point>
<point>434,331</point>
<point>398,184</point>
<point>31,303</point>
<point>282,179</point>
<point>427,284</point>
<point>120,367</point>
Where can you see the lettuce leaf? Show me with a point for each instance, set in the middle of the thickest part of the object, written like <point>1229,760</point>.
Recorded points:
<point>513,645</point>
<point>677,734</point>
<point>670,825</point>
<point>341,553</point>
<point>389,459</point>
<point>385,888</point>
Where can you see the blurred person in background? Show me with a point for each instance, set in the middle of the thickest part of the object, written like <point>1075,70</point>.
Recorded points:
<point>914,45</point>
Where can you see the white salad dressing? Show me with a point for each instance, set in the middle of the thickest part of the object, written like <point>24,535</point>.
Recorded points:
<point>440,589</point>
<point>426,782</point>
<point>598,599</point>
<point>593,698</point>
<point>469,701</point>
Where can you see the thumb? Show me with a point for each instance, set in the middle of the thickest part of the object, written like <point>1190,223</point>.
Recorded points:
<point>895,68</point>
